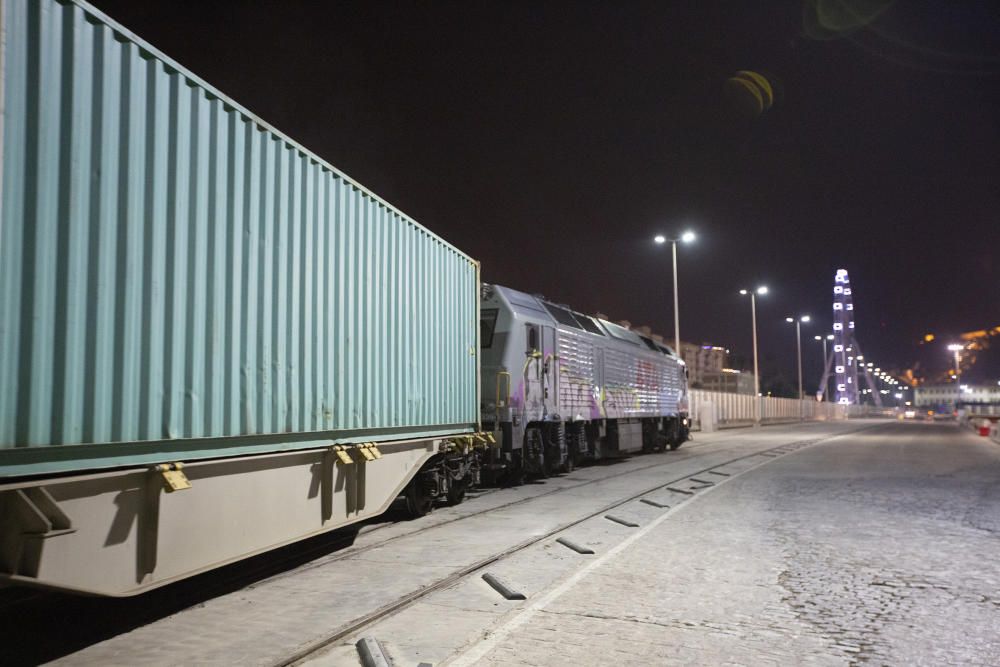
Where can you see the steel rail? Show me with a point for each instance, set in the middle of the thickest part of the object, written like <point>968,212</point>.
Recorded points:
<point>408,599</point>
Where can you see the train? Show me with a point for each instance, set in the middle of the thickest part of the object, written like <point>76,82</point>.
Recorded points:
<point>214,343</point>
<point>558,388</point>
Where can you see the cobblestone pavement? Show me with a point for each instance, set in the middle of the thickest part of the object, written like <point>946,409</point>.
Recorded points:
<point>879,547</point>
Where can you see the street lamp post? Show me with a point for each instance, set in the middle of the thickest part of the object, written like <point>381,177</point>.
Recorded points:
<point>686,237</point>
<point>798,348</point>
<point>762,290</point>
<point>823,339</point>
<point>957,349</point>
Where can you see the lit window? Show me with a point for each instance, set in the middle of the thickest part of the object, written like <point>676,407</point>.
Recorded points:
<point>838,348</point>
<point>850,306</point>
<point>837,326</point>
<point>837,289</point>
<point>847,291</point>
<point>838,306</point>
<point>840,369</point>
<point>850,325</point>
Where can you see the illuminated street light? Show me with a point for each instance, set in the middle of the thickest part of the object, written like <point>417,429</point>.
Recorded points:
<point>957,348</point>
<point>753,320</point>
<point>660,239</point>
<point>823,339</point>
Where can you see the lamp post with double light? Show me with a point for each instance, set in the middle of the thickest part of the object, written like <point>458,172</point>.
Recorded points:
<point>798,347</point>
<point>660,239</point>
<point>957,348</point>
<point>762,290</point>
<point>823,339</point>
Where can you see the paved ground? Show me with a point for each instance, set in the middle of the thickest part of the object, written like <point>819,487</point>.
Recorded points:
<point>877,544</point>
<point>265,623</point>
<point>877,547</point>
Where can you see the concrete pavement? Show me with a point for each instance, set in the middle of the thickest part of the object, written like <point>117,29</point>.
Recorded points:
<point>873,547</point>
<point>876,547</point>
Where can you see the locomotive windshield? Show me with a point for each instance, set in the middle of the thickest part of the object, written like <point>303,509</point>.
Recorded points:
<point>487,323</point>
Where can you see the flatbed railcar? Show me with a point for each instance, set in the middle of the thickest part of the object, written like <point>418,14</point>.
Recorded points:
<point>212,342</point>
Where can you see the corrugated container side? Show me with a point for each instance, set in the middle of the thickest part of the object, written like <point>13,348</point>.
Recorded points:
<point>173,268</point>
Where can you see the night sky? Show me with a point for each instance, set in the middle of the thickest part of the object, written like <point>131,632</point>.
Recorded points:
<point>552,140</point>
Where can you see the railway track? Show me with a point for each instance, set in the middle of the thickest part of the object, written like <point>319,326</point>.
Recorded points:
<point>368,648</point>
<point>99,619</point>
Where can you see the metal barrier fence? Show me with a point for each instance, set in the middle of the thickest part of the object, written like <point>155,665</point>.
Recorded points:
<point>725,409</point>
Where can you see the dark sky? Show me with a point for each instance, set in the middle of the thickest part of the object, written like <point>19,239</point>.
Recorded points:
<point>553,140</point>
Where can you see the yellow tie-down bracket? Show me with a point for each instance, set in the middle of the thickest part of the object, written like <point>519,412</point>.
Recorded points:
<point>174,478</point>
<point>369,451</point>
<point>366,451</point>
<point>463,443</point>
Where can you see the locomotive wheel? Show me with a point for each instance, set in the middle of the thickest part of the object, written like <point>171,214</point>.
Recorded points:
<point>534,447</point>
<point>514,475</point>
<point>675,436</point>
<point>418,502</point>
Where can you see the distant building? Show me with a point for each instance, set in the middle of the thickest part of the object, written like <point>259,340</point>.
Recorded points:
<point>943,396</point>
<point>708,368</point>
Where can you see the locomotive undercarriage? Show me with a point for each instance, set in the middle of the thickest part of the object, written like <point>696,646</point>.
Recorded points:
<point>536,450</point>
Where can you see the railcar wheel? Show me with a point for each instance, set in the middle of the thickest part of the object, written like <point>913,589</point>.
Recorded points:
<point>418,502</point>
<point>456,492</point>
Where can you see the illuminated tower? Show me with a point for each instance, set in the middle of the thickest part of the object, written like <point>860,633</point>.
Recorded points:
<point>844,364</point>
<point>844,361</point>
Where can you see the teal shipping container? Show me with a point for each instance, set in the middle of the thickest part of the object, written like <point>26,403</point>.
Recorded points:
<point>180,281</point>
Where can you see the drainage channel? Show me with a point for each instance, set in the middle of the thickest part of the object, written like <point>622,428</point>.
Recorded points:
<point>695,481</point>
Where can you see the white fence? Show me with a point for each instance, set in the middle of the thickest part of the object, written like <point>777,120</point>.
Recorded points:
<point>740,409</point>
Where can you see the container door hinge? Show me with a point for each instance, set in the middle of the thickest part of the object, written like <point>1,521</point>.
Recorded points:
<point>341,453</point>
<point>174,478</point>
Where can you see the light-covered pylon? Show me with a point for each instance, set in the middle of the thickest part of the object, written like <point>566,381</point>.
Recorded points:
<point>843,362</point>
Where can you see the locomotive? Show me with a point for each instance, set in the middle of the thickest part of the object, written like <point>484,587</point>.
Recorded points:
<point>560,387</point>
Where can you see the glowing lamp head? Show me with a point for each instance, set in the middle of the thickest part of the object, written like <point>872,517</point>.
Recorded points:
<point>743,292</point>
<point>955,347</point>
<point>660,238</point>
<point>688,236</point>
<point>789,319</point>
<point>762,289</point>
<point>818,337</point>
<point>804,318</point>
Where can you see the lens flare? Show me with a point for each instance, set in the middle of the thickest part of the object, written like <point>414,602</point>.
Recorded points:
<point>750,92</point>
